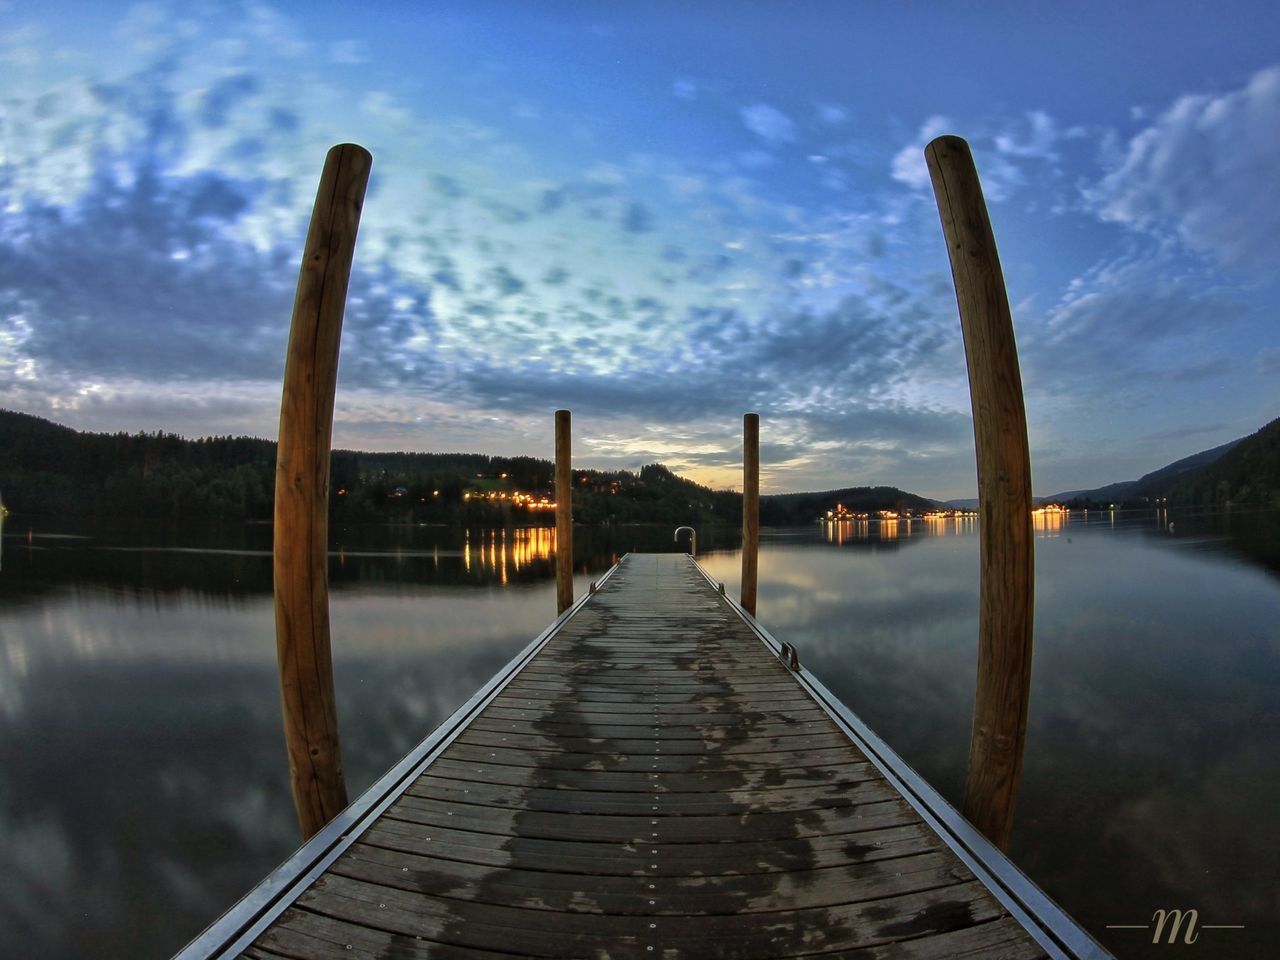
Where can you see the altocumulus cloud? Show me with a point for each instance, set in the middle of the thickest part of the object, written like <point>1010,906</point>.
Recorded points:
<point>1205,171</point>
<point>147,274</point>
<point>161,256</point>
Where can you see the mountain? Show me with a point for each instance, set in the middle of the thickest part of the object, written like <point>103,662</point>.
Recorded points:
<point>786,508</point>
<point>51,470</point>
<point>1247,473</point>
<point>1149,486</point>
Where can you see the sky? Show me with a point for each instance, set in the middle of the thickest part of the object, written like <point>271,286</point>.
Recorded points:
<point>658,215</point>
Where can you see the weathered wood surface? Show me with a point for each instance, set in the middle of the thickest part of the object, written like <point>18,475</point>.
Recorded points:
<point>750,510</point>
<point>564,512</point>
<point>301,538</point>
<point>653,784</point>
<point>1004,492</point>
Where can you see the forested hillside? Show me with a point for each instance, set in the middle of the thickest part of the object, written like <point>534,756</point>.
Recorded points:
<point>1249,473</point>
<point>52,470</point>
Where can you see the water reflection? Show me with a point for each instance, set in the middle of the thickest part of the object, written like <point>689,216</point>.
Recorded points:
<point>1150,765</point>
<point>140,745</point>
<point>856,529</point>
<point>142,760</point>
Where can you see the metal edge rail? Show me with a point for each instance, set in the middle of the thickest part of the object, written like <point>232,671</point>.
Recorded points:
<point>246,919</point>
<point>1051,926</point>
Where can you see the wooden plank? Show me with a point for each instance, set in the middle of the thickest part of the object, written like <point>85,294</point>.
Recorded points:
<point>774,779</point>
<point>655,778</point>
<point>617,748</point>
<point>607,712</point>
<point>548,933</point>
<point>624,896</point>
<point>749,825</point>
<point>576,726</point>
<point>491,749</point>
<point>724,803</point>
<point>871,841</point>
<point>306,936</point>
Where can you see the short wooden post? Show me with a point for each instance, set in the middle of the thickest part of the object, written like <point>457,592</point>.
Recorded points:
<point>1004,492</point>
<point>750,509</point>
<point>301,544</point>
<point>564,514</point>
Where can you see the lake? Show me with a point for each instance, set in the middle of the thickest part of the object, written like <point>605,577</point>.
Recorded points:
<point>143,780</point>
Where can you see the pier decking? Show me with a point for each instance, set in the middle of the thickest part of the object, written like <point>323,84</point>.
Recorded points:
<point>648,779</point>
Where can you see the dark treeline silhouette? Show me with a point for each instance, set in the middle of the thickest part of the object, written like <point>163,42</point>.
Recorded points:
<point>1244,472</point>
<point>1248,473</point>
<point>785,508</point>
<point>51,470</point>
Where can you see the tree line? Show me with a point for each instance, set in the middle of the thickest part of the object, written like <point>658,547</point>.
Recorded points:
<point>52,470</point>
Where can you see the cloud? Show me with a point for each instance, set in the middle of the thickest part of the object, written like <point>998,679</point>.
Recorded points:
<point>1130,330</point>
<point>1039,141</point>
<point>768,123</point>
<point>637,218</point>
<point>1205,171</point>
<point>1008,153</point>
<point>908,165</point>
<point>684,90</point>
<point>832,115</point>
<point>218,102</point>
<point>348,52</point>
<point>1269,361</point>
<point>155,272</point>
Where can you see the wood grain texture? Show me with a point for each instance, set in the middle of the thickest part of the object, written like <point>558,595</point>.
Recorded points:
<point>301,537</point>
<point>564,513</point>
<point>691,802</point>
<point>750,510</point>
<point>1004,493</point>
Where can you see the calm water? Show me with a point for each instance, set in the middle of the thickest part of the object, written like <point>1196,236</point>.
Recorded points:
<point>143,785</point>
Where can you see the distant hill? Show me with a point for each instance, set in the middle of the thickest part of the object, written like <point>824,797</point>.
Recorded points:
<point>787,508</point>
<point>52,470</point>
<point>1248,472</point>
<point>1149,486</point>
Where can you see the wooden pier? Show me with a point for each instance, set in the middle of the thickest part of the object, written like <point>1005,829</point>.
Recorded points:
<point>654,776</point>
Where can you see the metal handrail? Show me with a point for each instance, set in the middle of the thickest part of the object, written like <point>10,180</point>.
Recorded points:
<point>693,539</point>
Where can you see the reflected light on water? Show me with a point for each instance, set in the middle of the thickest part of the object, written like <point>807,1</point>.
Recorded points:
<point>840,529</point>
<point>503,552</point>
<point>1050,520</point>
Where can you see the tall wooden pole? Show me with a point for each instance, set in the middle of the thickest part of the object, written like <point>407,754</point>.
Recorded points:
<point>301,544</point>
<point>1004,493</point>
<point>564,515</point>
<point>750,509</point>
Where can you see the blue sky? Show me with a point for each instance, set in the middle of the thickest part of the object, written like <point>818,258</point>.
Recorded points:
<point>658,215</point>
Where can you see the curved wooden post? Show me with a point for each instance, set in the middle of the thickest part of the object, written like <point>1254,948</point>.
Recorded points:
<point>1004,493</point>
<point>564,514</point>
<point>301,544</point>
<point>750,509</point>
